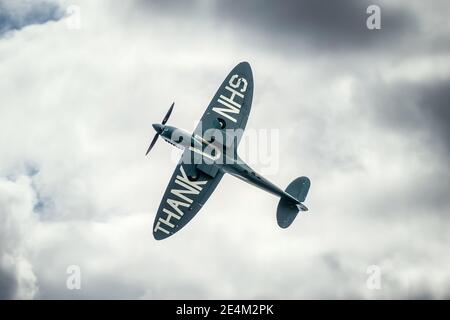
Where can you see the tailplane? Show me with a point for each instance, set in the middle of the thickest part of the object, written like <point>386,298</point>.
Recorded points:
<point>287,210</point>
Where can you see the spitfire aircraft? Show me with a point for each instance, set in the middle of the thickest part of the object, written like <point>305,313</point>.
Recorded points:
<point>210,152</point>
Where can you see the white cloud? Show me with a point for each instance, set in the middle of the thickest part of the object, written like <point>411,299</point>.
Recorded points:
<point>16,223</point>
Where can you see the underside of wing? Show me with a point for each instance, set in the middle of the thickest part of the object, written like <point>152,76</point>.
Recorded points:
<point>229,109</point>
<point>188,190</point>
<point>194,179</point>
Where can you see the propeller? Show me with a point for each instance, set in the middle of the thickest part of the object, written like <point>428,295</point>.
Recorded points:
<point>152,143</point>
<point>168,114</point>
<point>158,132</point>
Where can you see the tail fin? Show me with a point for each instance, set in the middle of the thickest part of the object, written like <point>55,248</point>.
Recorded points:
<point>287,210</point>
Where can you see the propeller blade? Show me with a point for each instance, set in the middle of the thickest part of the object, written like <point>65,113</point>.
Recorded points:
<point>168,114</point>
<point>152,143</point>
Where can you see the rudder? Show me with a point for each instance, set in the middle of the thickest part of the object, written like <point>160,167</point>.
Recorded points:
<point>287,210</point>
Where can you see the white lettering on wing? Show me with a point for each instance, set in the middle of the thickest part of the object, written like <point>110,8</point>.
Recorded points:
<point>228,105</point>
<point>188,188</point>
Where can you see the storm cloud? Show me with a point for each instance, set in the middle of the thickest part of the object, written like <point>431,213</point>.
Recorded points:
<point>8,284</point>
<point>324,25</point>
<point>15,15</point>
<point>417,108</point>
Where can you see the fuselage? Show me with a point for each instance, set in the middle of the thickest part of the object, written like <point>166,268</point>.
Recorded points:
<point>218,155</point>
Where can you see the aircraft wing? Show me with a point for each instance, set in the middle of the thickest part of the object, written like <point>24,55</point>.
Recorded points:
<point>185,196</point>
<point>230,106</point>
<point>183,199</point>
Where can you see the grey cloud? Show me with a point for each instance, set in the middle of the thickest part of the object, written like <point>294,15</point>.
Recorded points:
<point>419,112</point>
<point>17,15</point>
<point>433,102</point>
<point>8,283</point>
<point>416,108</point>
<point>326,25</point>
<point>91,288</point>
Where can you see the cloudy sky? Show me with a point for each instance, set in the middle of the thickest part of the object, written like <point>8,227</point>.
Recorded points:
<point>364,113</point>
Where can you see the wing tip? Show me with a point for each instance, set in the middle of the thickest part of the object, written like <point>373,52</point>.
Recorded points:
<point>244,68</point>
<point>244,64</point>
<point>158,236</point>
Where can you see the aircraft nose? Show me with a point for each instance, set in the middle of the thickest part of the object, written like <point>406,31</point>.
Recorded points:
<point>158,128</point>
